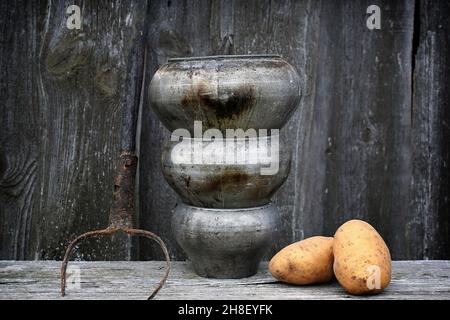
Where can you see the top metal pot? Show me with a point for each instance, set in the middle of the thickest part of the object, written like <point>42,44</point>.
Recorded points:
<point>224,92</point>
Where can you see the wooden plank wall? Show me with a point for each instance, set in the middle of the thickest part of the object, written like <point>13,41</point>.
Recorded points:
<point>370,139</point>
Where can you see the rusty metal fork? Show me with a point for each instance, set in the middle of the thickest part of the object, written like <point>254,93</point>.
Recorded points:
<point>121,217</point>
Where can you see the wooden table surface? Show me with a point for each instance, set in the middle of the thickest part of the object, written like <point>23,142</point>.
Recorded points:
<point>134,280</point>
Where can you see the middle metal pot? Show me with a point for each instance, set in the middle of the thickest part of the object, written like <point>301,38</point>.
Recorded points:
<point>223,179</point>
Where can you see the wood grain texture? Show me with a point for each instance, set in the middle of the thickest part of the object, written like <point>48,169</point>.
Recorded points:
<point>366,120</point>
<point>61,129</point>
<point>20,26</point>
<point>431,127</point>
<point>134,280</point>
<point>370,138</point>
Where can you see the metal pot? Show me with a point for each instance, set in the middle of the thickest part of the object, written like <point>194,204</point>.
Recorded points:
<point>225,243</point>
<point>250,91</point>
<point>226,184</point>
<point>226,220</point>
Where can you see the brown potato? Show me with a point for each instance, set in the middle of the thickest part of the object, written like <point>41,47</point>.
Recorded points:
<point>362,262</point>
<point>304,262</point>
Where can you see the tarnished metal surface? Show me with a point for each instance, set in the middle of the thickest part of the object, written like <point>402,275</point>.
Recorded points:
<point>225,92</point>
<point>225,243</point>
<point>225,221</point>
<point>226,185</point>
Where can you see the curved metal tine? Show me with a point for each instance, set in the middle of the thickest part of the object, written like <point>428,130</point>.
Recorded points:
<point>151,235</point>
<point>89,234</point>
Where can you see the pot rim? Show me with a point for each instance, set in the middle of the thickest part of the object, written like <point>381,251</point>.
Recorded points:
<point>223,57</point>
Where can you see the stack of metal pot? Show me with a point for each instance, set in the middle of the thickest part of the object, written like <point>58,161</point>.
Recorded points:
<point>225,159</point>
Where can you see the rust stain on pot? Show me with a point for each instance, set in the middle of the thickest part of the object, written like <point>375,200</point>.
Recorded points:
<point>187,181</point>
<point>229,179</point>
<point>237,101</point>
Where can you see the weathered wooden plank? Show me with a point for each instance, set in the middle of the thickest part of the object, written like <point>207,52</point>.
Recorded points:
<point>20,30</point>
<point>363,101</point>
<point>62,123</point>
<point>361,147</point>
<point>431,129</point>
<point>133,280</point>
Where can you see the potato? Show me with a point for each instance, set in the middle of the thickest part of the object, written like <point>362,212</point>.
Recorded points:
<point>362,262</point>
<point>304,262</point>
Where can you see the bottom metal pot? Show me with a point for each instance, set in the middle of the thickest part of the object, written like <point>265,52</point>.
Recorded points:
<point>225,243</point>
